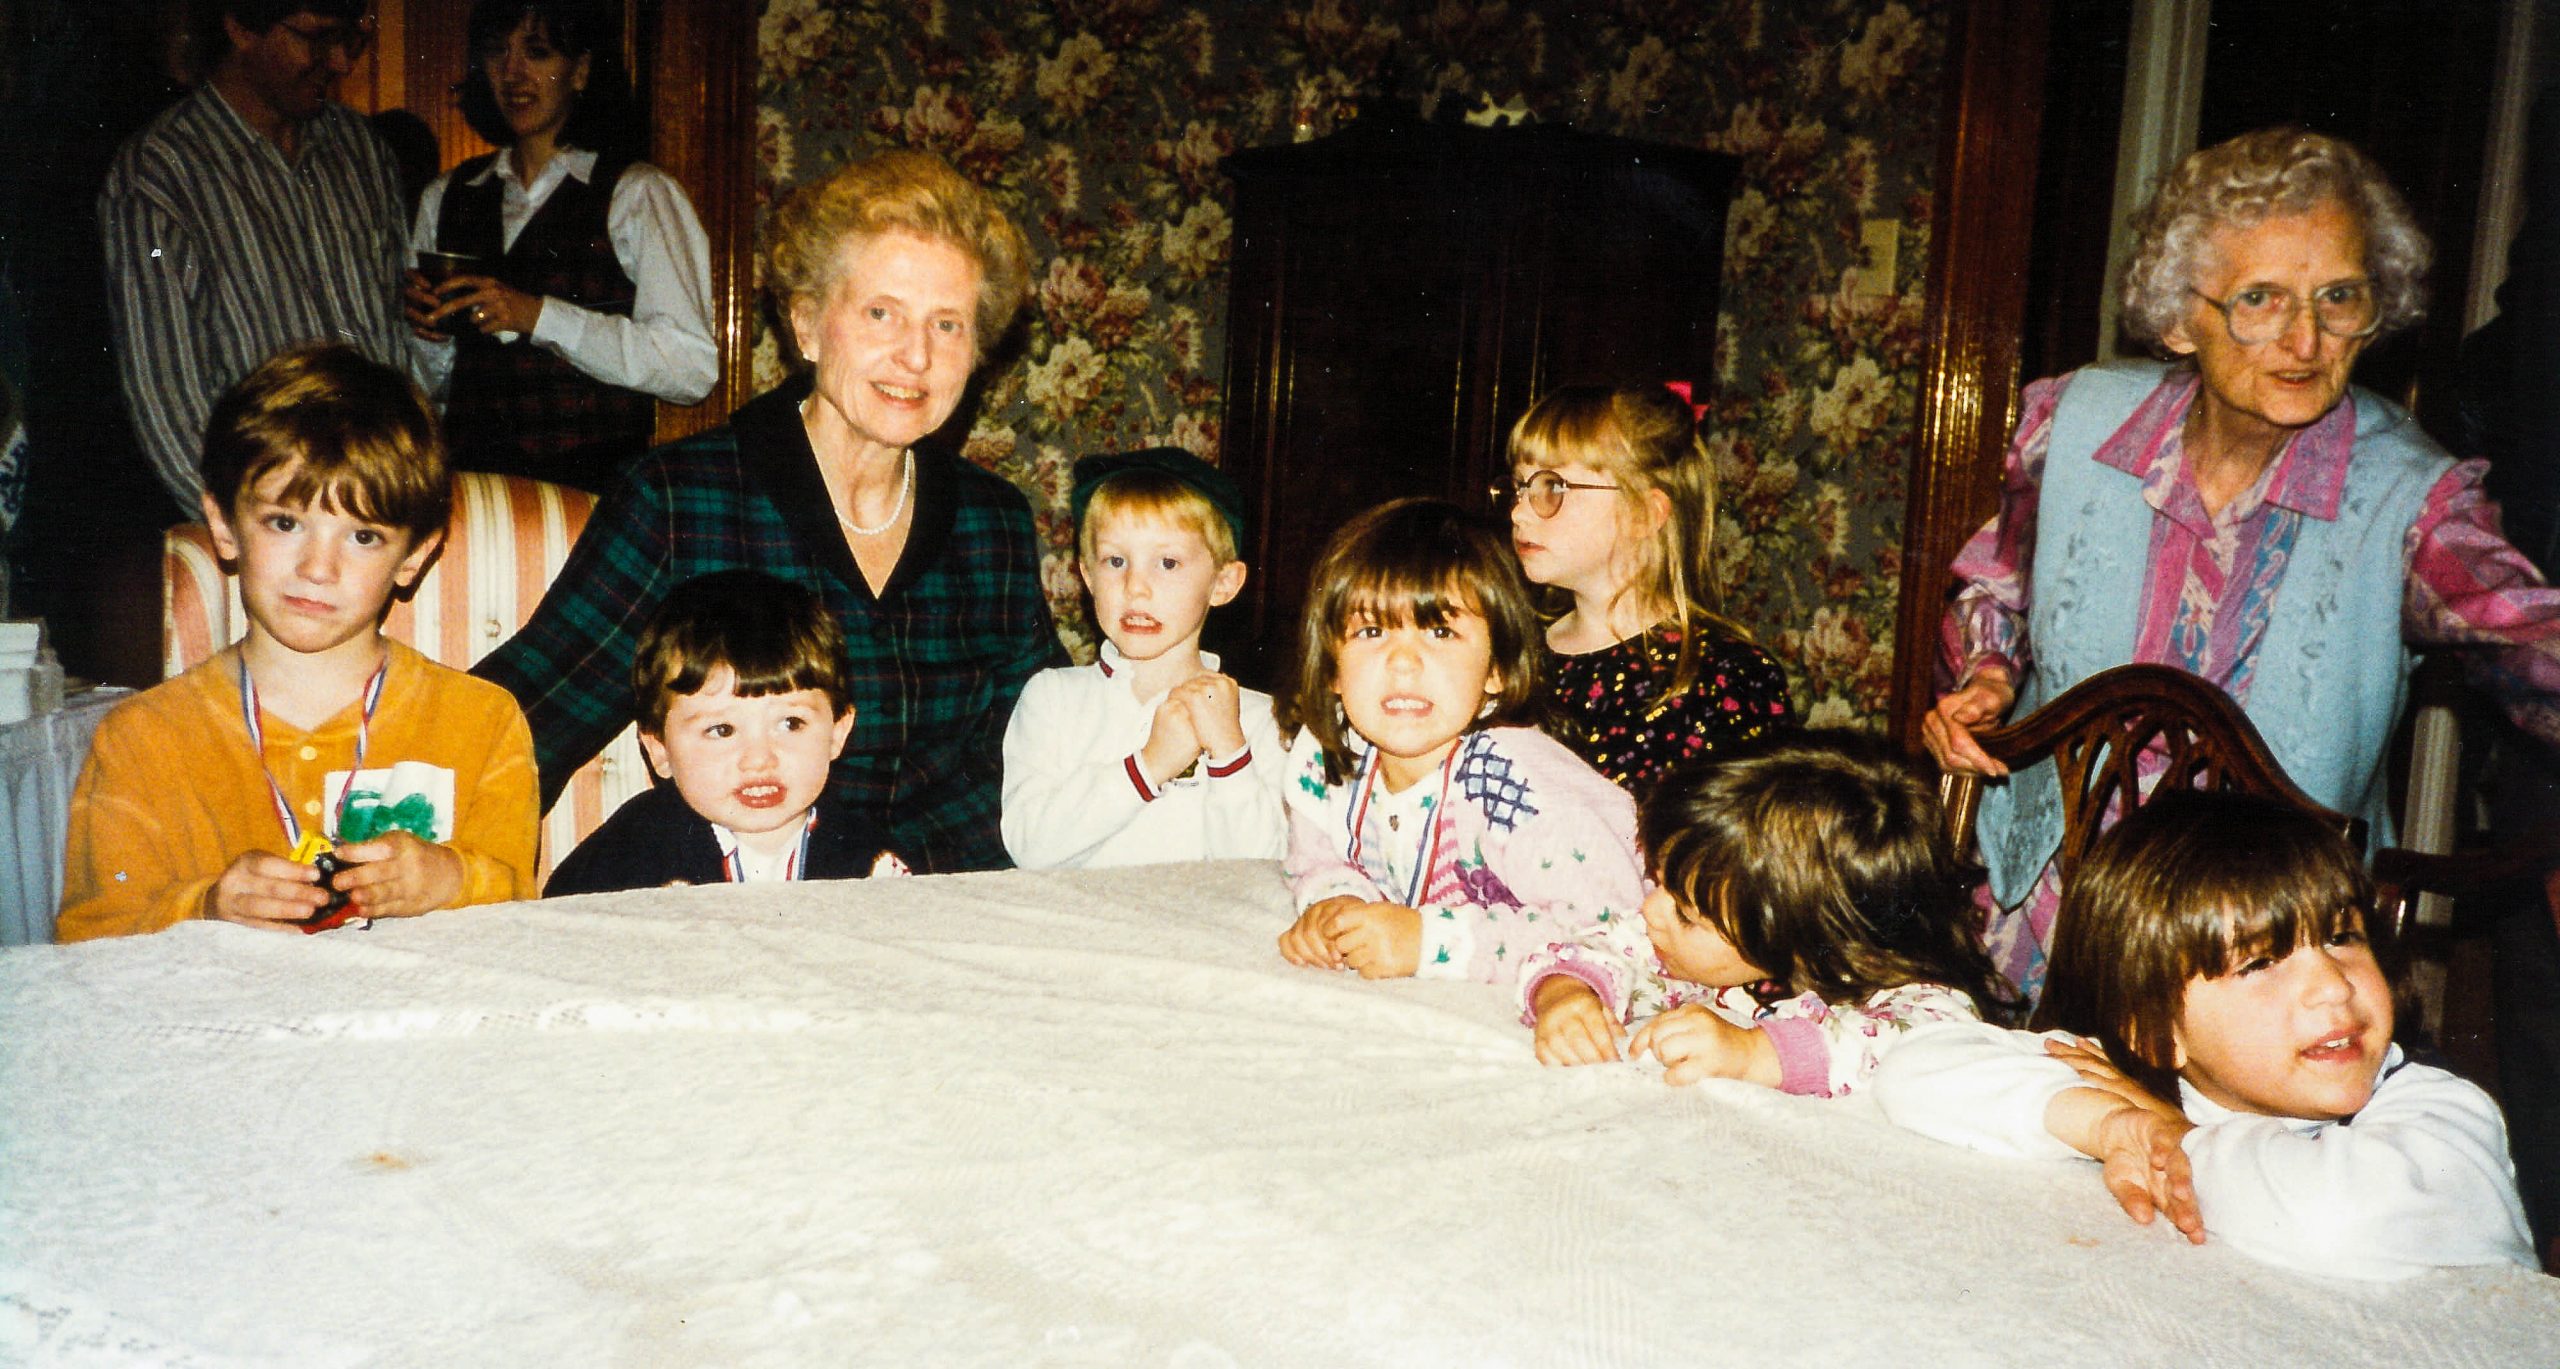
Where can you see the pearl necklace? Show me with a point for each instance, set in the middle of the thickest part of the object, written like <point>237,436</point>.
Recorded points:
<point>906,487</point>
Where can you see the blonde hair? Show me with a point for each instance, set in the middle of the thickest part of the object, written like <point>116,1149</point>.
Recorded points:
<point>356,435</point>
<point>2269,173</point>
<point>1646,439</point>
<point>893,192</point>
<point>1157,497</point>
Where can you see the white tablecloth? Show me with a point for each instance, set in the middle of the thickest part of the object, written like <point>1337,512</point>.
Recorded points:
<point>1010,1119</point>
<point>40,761</point>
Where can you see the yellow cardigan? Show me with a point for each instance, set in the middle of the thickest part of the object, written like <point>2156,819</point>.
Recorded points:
<point>172,794</point>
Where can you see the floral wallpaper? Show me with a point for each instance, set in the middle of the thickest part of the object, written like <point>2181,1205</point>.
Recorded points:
<point>1101,124</point>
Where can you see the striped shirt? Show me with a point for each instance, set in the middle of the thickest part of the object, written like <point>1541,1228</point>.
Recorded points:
<point>221,250</point>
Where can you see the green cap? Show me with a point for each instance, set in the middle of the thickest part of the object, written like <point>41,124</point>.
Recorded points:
<point>1211,482</point>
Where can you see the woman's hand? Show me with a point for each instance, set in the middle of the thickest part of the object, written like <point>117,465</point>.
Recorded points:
<point>1693,1042</point>
<point>397,875</point>
<point>1309,940</point>
<point>492,307</point>
<point>1380,940</point>
<point>420,305</point>
<point>1573,1026</point>
<point>1947,730</point>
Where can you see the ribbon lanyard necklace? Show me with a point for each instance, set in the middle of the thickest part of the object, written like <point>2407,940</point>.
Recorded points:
<point>794,866</point>
<point>1432,824</point>
<point>305,847</point>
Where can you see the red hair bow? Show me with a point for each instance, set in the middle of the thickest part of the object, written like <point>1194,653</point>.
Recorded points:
<point>1697,411</point>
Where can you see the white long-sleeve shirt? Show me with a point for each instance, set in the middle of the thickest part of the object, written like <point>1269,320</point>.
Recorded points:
<point>665,348</point>
<point>1075,797</point>
<point>2420,1179</point>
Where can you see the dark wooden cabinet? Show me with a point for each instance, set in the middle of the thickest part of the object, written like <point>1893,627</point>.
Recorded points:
<point>1402,291</point>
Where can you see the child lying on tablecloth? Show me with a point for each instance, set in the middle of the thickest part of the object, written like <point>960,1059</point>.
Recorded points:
<point>2224,1051</point>
<point>1807,909</point>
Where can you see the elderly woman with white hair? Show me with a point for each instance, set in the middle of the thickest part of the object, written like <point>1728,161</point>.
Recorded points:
<point>2237,510</point>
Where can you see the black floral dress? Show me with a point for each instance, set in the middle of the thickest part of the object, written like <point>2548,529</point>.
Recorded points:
<point>1608,705</point>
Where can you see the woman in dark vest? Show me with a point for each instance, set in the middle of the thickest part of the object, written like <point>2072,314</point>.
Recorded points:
<point>589,296</point>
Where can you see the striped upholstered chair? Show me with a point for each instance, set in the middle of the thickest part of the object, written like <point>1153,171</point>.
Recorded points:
<point>507,539</point>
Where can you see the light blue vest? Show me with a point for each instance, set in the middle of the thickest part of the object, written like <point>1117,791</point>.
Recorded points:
<point>2331,670</point>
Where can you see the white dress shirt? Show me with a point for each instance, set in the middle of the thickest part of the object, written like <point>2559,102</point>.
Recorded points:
<point>665,348</point>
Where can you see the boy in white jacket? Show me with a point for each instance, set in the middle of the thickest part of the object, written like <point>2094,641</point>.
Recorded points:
<point>1149,754</point>
<point>2211,950</point>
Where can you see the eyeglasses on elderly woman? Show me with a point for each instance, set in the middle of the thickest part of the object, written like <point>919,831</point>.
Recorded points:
<point>2259,314</point>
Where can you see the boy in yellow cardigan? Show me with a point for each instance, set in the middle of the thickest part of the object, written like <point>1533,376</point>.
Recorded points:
<point>316,771</point>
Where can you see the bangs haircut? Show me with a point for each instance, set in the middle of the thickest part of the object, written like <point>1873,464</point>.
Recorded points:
<point>2189,885</point>
<point>1160,497</point>
<point>354,435</point>
<point>898,192</point>
<point>1823,857</point>
<point>1645,439</point>
<point>603,118</point>
<point>776,637</point>
<point>1420,562</point>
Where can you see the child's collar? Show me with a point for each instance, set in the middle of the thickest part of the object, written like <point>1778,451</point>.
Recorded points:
<point>1115,666</point>
<point>791,859</point>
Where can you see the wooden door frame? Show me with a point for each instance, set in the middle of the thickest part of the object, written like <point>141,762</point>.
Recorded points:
<point>1980,224</point>
<point>702,90</point>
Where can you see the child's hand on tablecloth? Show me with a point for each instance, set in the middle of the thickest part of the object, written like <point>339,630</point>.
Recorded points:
<point>1309,940</point>
<point>2138,1152</point>
<point>1573,1026</point>
<point>1694,1042</point>
<point>1380,940</point>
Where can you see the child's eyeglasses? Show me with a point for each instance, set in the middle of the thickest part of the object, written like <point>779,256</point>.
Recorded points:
<point>1544,491</point>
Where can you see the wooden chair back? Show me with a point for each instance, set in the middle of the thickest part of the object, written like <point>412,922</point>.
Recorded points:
<point>2096,733</point>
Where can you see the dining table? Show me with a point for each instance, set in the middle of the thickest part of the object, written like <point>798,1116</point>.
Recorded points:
<point>1017,1118</point>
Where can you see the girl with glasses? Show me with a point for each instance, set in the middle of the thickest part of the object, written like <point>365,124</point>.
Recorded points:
<point>1614,510</point>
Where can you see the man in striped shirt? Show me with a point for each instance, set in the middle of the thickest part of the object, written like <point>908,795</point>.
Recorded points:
<point>254,214</point>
